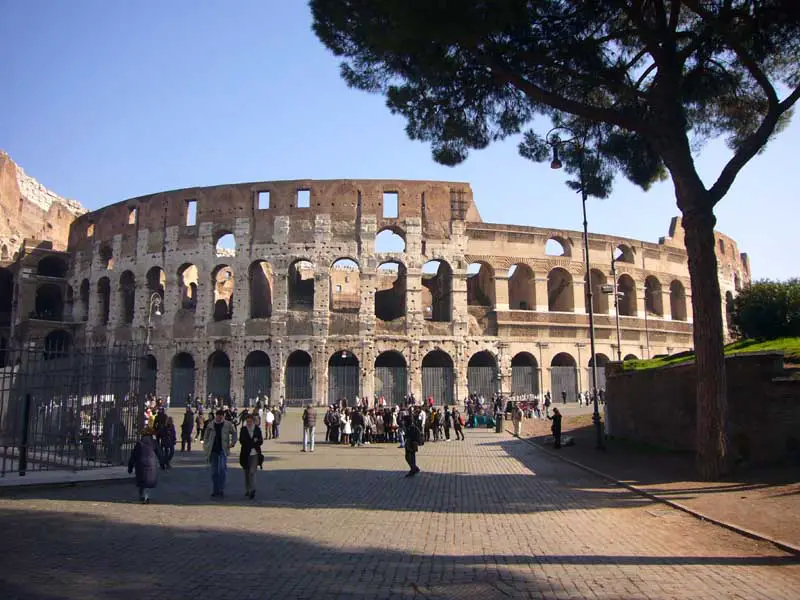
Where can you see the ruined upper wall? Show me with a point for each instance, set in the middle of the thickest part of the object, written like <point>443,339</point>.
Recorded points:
<point>346,201</point>
<point>30,210</point>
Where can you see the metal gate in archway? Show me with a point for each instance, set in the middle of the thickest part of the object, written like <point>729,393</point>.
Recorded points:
<point>482,381</point>
<point>182,384</point>
<point>257,379</point>
<point>564,379</point>
<point>218,380</point>
<point>601,378</point>
<point>438,382</point>
<point>391,383</point>
<point>524,380</point>
<point>149,376</point>
<point>343,383</point>
<point>298,385</point>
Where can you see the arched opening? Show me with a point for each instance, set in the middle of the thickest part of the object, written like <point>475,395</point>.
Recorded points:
<point>225,245</point>
<point>437,377</point>
<point>127,296</point>
<point>106,257</point>
<point>653,299</point>
<point>390,239</point>
<point>482,374</point>
<point>524,374</point>
<point>599,299</point>
<point>391,377</point>
<point>480,285</point>
<point>218,378</point>
<point>150,376</point>
<point>57,344</point>
<point>156,282</point>
<point>84,294</point>
<point>49,304</point>
<point>437,292</point>
<point>602,361</point>
<point>343,374</point>
<point>630,357</point>
<point>3,254</point>
<point>187,281</point>
<point>103,299</point>
<point>6,296</point>
<point>564,378</point>
<point>729,311</point>
<point>521,288</point>
<point>298,378</point>
<point>556,246</point>
<point>624,254</point>
<point>722,246</point>
<point>301,285</point>
<point>626,290</point>
<point>560,292</point>
<point>52,266</point>
<point>737,282</point>
<point>257,376</point>
<point>182,388</point>
<point>261,280</point>
<point>677,301</point>
<point>69,304</point>
<point>390,291</point>
<point>345,284</point>
<point>222,282</point>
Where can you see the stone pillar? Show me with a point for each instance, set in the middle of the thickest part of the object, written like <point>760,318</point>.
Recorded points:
<point>542,304</point>
<point>366,362</point>
<point>320,372</point>
<point>460,361</point>
<point>501,291</point>
<point>278,372</point>
<point>579,295</point>
<point>504,367</point>
<point>690,308</point>
<point>666,304</point>
<point>460,306</point>
<point>414,359</point>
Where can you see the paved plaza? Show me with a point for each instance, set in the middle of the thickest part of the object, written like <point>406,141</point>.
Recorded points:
<point>492,517</point>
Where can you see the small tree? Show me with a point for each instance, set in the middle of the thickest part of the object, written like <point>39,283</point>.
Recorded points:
<point>767,310</point>
<point>645,80</point>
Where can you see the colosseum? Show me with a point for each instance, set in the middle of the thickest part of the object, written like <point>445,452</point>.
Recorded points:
<point>317,290</point>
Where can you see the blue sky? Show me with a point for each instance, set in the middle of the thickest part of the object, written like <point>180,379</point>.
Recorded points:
<point>104,101</point>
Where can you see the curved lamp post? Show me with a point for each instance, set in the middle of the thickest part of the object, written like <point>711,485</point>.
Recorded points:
<point>153,309</point>
<point>555,142</point>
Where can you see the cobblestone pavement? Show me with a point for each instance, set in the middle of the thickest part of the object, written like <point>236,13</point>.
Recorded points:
<point>488,518</point>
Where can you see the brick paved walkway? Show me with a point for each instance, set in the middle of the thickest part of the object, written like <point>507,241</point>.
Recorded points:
<point>489,518</point>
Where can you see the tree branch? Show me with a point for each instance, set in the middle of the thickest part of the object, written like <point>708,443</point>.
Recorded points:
<point>751,146</point>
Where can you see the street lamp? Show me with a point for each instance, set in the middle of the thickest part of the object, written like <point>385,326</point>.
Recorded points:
<point>555,143</point>
<point>153,309</point>
<point>612,289</point>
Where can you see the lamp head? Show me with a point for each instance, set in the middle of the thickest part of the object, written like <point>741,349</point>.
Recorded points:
<point>556,162</point>
<point>157,311</point>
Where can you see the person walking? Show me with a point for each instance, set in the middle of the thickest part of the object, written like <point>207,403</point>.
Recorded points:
<point>186,429</point>
<point>563,396</point>
<point>458,424</point>
<point>250,440</point>
<point>516,419</point>
<point>413,436</point>
<point>269,418</point>
<point>555,428</point>
<point>144,460</point>
<point>168,440</point>
<point>219,438</point>
<point>276,424</point>
<point>547,402</point>
<point>309,427</point>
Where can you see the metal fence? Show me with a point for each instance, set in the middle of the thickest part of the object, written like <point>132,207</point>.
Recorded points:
<point>601,378</point>
<point>298,385</point>
<point>218,383</point>
<point>524,380</point>
<point>482,381</point>
<point>182,385</point>
<point>69,408</point>
<point>391,383</point>
<point>564,379</point>
<point>438,382</point>
<point>343,383</point>
<point>257,379</point>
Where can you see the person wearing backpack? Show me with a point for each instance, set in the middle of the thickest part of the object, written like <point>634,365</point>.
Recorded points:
<point>413,436</point>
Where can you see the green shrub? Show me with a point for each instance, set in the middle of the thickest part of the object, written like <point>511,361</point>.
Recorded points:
<point>767,310</point>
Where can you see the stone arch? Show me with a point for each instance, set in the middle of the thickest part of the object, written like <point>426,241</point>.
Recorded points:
<point>106,257</point>
<point>345,286</point>
<point>627,302</point>
<point>3,254</point>
<point>602,361</point>
<point>437,292</point>
<point>564,377</point>
<point>482,374</point>
<point>390,239</point>
<point>261,280</point>
<point>257,376</point>
<point>521,287</point>
<point>104,299</point>
<point>524,374</point>
<point>218,376</point>
<point>156,281</point>
<point>624,253</point>
<point>225,244</point>
<point>557,246</point>
<point>127,296</point>
<point>438,377</point>
<point>677,300</point>
<point>390,291</point>
<point>49,304</point>
<point>57,343</point>
<point>222,281</point>
<point>183,375</point>
<point>301,285</point>
<point>653,298</point>
<point>52,266</point>
<point>630,357</point>
<point>721,243</point>
<point>599,299</point>
<point>343,378</point>
<point>84,294</point>
<point>188,278</point>
<point>150,377</point>
<point>391,377</point>
<point>560,291</point>
<point>480,284</point>
<point>6,295</point>
<point>737,282</point>
<point>298,378</point>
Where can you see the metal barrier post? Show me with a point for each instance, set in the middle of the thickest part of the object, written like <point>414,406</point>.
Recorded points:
<point>23,448</point>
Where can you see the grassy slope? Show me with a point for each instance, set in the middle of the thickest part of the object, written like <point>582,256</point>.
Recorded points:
<point>789,346</point>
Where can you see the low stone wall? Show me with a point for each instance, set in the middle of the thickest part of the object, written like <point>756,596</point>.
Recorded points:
<point>658,406</point>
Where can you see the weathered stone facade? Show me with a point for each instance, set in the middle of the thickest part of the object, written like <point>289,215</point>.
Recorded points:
<point>309,278</point>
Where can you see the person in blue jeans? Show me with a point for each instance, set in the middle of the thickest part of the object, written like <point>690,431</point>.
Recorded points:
<point>218,440</point>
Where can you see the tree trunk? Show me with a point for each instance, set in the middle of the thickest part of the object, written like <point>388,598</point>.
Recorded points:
<point>712,458</point>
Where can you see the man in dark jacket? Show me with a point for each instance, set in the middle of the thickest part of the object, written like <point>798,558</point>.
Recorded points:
<point>309,427</point>
<point>145,458</point>
<point>555,428</point>
<point>413,438</point>
<point>186,429</point>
